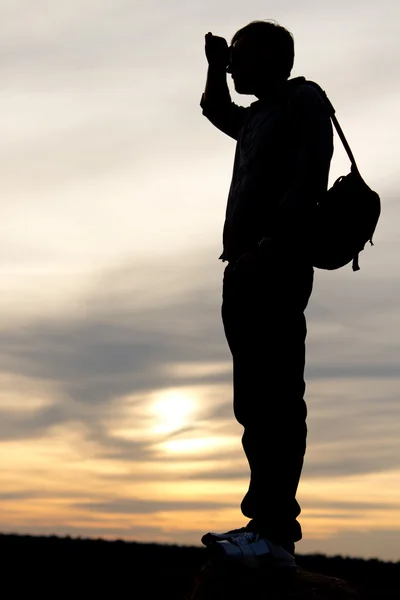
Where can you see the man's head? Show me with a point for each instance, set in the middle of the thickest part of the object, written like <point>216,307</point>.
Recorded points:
<point>261,55</point>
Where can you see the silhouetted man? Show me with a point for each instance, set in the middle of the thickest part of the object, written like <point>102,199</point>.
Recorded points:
<point>281,167</point>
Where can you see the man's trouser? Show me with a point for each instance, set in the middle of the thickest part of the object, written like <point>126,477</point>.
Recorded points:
<point>263,315</point>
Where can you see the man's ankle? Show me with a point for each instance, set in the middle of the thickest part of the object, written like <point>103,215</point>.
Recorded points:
<point>287,545</point>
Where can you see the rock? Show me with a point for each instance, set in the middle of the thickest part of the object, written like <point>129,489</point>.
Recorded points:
<point>218,580</point>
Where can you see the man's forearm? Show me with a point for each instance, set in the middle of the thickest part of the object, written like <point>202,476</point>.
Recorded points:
<point>217,104</point>
<point>216,90</point>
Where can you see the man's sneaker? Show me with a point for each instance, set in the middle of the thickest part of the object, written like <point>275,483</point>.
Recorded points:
<point>211,537</point>
<point>249,548</point>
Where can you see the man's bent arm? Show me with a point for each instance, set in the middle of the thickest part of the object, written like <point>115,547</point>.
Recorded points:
<point>217,105</point>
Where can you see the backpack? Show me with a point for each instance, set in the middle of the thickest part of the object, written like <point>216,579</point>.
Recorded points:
<point>345,217</point>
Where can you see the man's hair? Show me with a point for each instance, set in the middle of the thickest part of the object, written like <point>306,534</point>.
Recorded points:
<point>269,34</point>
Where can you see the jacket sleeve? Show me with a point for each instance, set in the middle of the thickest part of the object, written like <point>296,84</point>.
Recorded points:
<point>228,118</point>
<point>311,150</point>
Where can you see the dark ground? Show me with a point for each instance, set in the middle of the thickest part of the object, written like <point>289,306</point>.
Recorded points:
<point>53,567</point>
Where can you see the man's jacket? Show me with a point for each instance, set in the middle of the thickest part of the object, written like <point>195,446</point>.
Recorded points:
<point>281,166</point>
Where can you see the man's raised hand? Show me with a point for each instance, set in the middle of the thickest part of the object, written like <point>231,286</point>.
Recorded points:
<point>217,51</point>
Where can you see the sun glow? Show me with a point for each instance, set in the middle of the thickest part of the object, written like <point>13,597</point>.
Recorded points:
<point>172,410</point>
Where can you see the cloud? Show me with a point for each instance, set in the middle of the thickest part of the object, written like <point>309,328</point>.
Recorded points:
<point>134,505</point>
<point>123,349</point>
<point>32,494</point>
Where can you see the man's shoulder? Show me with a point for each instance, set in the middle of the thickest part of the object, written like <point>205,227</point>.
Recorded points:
<point>307,98</point>
<point>304,91</point>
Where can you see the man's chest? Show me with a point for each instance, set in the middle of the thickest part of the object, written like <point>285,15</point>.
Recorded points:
<point>263,139</point>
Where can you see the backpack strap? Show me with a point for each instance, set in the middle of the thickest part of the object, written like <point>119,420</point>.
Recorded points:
<point>356,266</point>
<point>339,130</point>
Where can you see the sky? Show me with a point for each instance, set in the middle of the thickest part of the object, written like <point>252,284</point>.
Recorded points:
<point>116,413</point>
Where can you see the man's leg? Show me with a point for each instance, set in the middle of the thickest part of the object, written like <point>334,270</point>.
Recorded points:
<point>263,315</point>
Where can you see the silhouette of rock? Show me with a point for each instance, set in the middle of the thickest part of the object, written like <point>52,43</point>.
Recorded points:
<point>230,581</point>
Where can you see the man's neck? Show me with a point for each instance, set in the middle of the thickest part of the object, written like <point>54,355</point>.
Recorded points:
<point>269,89</point>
